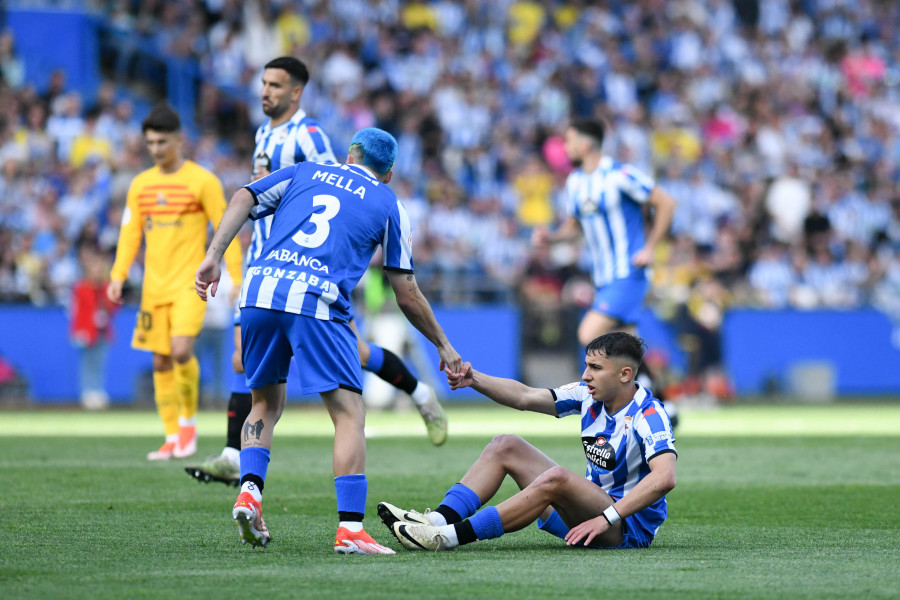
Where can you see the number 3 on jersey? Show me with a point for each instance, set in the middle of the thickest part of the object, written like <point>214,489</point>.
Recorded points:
<point>320,220</point>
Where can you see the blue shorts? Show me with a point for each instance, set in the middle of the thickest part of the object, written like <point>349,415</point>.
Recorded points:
<point>325,351</point>
<point>636,535</point>
<point>622,299</point>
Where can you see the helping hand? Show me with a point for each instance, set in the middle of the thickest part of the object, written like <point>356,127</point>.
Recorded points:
<point>460,379</point>
<point>450,358</point>
<point>207,277</point>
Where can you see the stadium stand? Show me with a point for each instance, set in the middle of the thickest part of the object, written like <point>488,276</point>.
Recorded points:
<point>772,122</point>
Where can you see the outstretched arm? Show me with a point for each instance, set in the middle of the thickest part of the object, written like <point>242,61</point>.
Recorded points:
<point>507,392</point>
<point>417,310</point>
<point>209,272</point>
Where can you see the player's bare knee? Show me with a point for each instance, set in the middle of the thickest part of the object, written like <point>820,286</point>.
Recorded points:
<point>504,446</point>
<point>162,362</point>
<point>182,355</point>
<point>553,481</point>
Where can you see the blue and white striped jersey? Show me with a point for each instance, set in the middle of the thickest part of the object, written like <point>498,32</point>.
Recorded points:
<point>608,202</point>
<point>329,219</point>
<point>618,447</point>
<point>297,140</point>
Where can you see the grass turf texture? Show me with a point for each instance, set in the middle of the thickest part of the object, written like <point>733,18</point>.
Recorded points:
<point>772,502</point>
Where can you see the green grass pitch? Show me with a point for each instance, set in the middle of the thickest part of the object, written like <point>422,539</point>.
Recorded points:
<point>772,502</point>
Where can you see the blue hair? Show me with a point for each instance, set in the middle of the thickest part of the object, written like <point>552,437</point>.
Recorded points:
<point>379,149</point>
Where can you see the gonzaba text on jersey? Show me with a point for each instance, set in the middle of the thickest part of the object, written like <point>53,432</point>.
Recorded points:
<point>328,219</point>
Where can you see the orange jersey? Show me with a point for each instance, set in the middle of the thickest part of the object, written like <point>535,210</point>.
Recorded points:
<point>172,212</point>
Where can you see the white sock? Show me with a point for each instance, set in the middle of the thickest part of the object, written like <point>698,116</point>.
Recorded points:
<point>182,422</point>
<point>449,532</point>
<point>232,454</point>
<point>252,489</point>
<point>422,394</point>
<point>172,437</point>
<point>436,519</point>
<point>351,526</point>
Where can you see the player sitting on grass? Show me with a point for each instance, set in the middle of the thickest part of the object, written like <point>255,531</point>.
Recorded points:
<point>628,442</point>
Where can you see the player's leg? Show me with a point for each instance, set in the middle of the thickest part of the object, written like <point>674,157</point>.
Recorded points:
<point>151,333</point>
<point>166,397</point>
<point>186,322</point>
<point>575,498</point>
<point>226,467</point>
<point>266,358</point>
<point>616,307</point>
<point>351,486</point>
<point>504,455</point>
<point>187,386</point>
<point>256,442</point>
<point>594,324</point>
<point>391,369</point>
<point>328,363</point>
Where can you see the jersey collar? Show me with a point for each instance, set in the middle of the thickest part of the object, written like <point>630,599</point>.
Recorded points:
<point>298,116</point>
<point>368,171</point>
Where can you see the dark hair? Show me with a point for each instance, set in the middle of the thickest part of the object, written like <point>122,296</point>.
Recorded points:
<point>592,129</point>
<point>619,345</point>
<point>162,118</point>
<point>295,68</point>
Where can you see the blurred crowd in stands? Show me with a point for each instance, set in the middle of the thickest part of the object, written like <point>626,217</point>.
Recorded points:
<point>774,124</point>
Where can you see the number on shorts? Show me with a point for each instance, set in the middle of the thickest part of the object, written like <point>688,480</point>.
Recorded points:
<point>145,320</point>
<point>320,220</point>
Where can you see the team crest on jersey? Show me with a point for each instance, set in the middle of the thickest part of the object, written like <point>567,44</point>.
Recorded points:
<point>599,452</point>
<point>588,206</point>
<point>627,423</point>
<point>160,199</point>
<point>281,137</point>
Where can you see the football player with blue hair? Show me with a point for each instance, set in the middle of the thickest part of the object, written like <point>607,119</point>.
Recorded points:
<point>290,136</point>
<point>328,221</point>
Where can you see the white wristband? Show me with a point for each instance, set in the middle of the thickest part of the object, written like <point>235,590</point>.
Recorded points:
<point>612,515</point>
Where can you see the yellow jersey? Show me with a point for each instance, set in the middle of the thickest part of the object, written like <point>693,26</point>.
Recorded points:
<point>171,212</point>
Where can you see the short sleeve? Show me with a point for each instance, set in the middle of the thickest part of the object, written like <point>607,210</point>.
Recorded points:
<point>268,191</point>
<point>397,243</point>
<point>636,184</point>
<point>569,398</point>
<point>654,431</point>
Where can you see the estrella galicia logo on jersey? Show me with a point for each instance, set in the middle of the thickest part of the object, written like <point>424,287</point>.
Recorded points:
<point>148,223</point>
<point>599,452</point>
